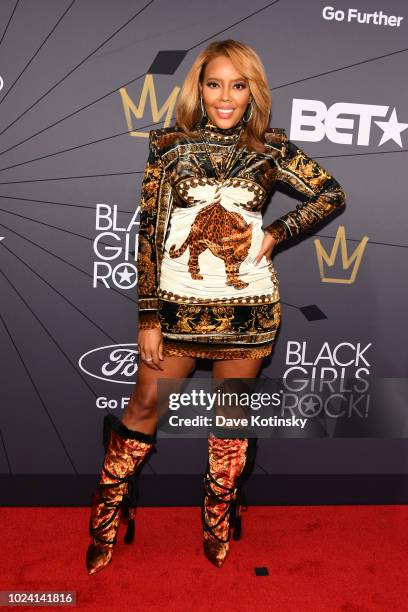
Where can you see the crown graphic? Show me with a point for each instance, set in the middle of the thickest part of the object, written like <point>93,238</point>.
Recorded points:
<point>131,109</point>
<point>329,260</point>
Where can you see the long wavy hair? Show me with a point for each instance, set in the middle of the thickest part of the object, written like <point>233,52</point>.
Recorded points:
<point>248,63</point>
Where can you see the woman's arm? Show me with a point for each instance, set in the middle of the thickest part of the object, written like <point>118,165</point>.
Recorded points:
<point>153,178</point>
<point>306,176</point>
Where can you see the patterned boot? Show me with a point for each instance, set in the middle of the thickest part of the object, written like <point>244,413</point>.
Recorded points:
<point>230,460</point>
<point>117,491</point>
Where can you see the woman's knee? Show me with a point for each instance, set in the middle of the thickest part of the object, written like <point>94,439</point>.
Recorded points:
<point>144,400</point>
<point>192,366</point>
<point>143,403</point>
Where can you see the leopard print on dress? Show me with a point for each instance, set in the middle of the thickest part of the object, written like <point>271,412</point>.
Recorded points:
<point>225,233</point>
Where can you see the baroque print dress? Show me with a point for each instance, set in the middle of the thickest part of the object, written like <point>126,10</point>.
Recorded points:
<point>199,236</point>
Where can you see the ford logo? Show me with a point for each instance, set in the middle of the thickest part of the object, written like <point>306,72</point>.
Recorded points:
<point>115,363</point>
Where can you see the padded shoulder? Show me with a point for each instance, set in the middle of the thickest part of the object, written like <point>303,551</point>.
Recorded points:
<point>275,137</point>
<point>164,138</point>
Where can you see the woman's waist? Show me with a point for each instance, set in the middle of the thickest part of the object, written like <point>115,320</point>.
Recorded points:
<point>208,275</point>
<point>215,223</point>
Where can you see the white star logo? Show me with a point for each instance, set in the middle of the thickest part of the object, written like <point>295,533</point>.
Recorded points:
<point>391,129</point>
<point>309,406</point>
<point>125,275</point>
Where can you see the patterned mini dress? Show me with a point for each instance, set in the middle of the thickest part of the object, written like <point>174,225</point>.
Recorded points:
<point>199,237</point>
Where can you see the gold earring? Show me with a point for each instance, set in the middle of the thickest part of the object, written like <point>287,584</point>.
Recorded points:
<point>203,113</point>
<point>250,114</point>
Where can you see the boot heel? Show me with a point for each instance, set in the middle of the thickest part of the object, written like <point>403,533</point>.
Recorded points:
<point>237,528</point>
<point>130,531</point>
<point>128,516</point>
<point>241,505</point>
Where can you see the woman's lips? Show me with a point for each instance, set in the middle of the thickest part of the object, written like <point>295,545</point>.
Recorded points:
<point>224,113</point>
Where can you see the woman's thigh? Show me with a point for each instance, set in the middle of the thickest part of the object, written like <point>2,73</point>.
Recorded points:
<point>230,406</point>
<point>236,368</point>
<point>145,389</point>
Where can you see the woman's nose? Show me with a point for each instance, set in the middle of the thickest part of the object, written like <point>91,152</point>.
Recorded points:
<point>225,96</point>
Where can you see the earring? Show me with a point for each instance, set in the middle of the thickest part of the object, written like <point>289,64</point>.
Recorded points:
<point>250,114</point>
<point>203,113</point>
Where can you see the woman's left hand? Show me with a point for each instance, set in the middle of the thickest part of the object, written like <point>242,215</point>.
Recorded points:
<point>268,244</point>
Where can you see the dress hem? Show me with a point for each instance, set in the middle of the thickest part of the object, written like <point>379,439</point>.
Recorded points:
<point>196,349</point>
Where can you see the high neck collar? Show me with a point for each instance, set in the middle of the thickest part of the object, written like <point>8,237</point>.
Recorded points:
<point>213,130</point>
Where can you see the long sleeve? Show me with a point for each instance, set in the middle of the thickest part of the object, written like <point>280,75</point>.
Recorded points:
<point>153,177</point>
<point>306,176</point>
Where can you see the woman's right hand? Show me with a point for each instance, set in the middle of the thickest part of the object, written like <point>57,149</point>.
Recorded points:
<point>268,244</point>
<point>150,343</point>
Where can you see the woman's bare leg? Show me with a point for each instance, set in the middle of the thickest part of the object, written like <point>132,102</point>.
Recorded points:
<point>236,368</point>
<point>141,412</point>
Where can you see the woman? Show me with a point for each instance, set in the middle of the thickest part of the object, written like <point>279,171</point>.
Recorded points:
<point>207,284</point>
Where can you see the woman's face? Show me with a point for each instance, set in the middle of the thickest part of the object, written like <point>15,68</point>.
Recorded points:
<point>225,92</point>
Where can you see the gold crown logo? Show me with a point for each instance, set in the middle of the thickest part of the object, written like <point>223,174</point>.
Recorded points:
<point>130,108</point>
<point>329,259</point>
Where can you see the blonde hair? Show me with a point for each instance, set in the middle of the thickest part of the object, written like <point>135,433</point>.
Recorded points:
<point>248,63</point>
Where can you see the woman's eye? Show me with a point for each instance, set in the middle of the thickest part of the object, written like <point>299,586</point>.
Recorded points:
<point>240,85</point>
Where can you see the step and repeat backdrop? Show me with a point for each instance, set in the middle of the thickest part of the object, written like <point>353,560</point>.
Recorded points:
<point>81,85</point>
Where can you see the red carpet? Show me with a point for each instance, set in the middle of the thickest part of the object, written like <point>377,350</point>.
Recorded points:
<point>319,558</point>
